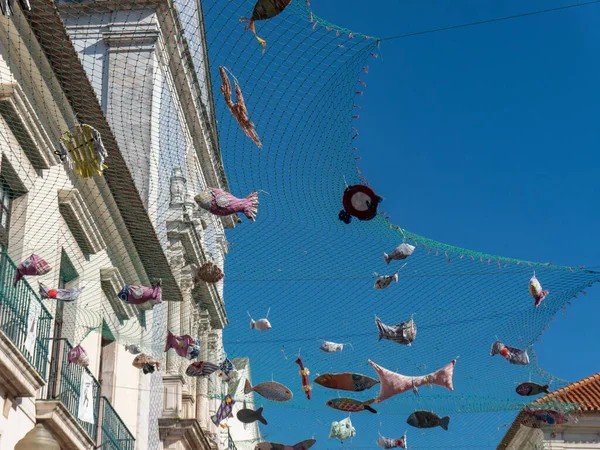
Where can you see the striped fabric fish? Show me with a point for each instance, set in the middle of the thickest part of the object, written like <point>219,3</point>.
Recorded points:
<point>270,390</point>
<point>351,405</point>
<point>32,266</point>
<point>224,411</point>
<point>385,442</point>
<point>201,369</point>
<point>346,381</point>
<point>403,333</point>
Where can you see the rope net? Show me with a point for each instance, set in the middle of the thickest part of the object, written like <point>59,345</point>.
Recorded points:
<point>313,273</point>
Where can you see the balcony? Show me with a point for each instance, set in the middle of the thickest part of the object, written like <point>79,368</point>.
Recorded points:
<point>114,435</point>
<point>25,329</point>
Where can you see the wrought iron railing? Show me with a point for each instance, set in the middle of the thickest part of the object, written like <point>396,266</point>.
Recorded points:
<point>230,443</point>
<point>23,315</point>
<point>114,433</point>
<point>65,385</point>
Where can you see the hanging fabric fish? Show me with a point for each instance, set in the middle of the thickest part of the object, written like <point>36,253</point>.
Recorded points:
<point>383,281</point>
<point>201,369</point>
<point>513,355</point>
<point>526,389</point>
<point>394,383</point>
<point>85,149</point>
<point>251,416</point>
<point>183,345</point>
<point>351,405</point>
<point>222,203</point>
<point>238,109</point>
<point>264,9</point>
<point>342,430</point>
<point>208,272</point>
<point>304,372</point>
<point>536,291</point>
<point>133,349</point>
<point>346,381</point>
<point>359,201</point>
<point>136,295</point>
<point>332,347</point>
<point>304,445</point>
<point>262,324</point>
<point>426,419</point>
<point>270,390</point>
<point>401,252</point>
<point>32,266</point>
<point>146,362</point>
<point>403,333</point>
<point>77,355</point>
<point>548,416</point>
<point>385,442</point>
<point>226,369</point>
<point>65,295</point>
<point>224,410</point>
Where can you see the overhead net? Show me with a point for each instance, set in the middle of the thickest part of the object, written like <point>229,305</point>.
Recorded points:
<point>313,273</point>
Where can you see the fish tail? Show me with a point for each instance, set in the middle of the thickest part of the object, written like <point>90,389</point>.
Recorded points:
<point>247,387</point>
<point>379,328</point>
<point>386,258</point>
<point>444,421</point>
<point>260,416</point>
<point>368,408</point>
<point>395,277</point>
<point>250,26</point>
<point>252,324</point>
<point>545,388</point>
<point>252,209</point>
<point>215,419</point>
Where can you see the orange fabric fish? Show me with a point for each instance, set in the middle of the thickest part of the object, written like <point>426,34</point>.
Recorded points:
<point>264,9</point>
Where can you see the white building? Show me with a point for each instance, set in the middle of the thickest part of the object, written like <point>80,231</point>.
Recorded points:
<point>580,434</point>
<point>244,436</point>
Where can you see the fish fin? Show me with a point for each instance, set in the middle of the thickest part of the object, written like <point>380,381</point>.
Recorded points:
<point>260,416</point>
<point>252,324</point>
<point>386,258</point>
<point>247,387</point>
<point>444,421</point>
<point>368,408</point>
<point>395,277</point>
<point>545,388</point>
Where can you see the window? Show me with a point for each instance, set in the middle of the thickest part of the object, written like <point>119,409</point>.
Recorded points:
<point>6,196</point>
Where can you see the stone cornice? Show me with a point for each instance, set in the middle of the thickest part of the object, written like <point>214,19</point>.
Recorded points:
<point>63,426</point>
<point>112,282</point>
<point>17,375</point>
<point>80,221</point>
<point>186,430</point>
<point>131,37</point>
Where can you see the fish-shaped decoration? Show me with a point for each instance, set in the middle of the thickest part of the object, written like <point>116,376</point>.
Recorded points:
<point>427,419</point>
<point>346,381</point>
<point>226,370</point>
<point>332,347</point>
<point>393,383</point>
<point>208,272</point>
<point>401,252</point>
<point>183,345</point>
<point>342,430</point>
<point>384,281</point>
<point>146,362</point>
<point>133,349</point>
<point>201,369</point>
<point>238,109</point>
<point>385,442</point>
<point>82,148</point>
<point>513,355</point>
<point>136,295</point>
<point>32,266</point>
<point>77,355</point>
<point>270,390</point>
<point>251,416</point>
<point>224,410</point>
<point>304,445</point>
<point>359,201</point>
<point>548,416</point>
<point>351,405</point>
<point>222,203</point>
<point>526,389</point>
<point>536,291</point>
<point>263,10</point>
<point>261,324</point>
<point>402,333</point>
<point>65,295</point>
<point>304,372</point>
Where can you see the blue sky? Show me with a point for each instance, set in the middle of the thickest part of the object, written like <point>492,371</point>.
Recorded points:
<point>483,138</point>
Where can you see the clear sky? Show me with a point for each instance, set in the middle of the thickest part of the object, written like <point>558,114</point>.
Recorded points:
<point>481,137</point>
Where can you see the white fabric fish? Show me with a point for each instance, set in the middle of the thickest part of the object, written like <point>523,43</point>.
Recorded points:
<point>332,347</point>
<point>383,281</point>
<point>401,252</point>
<point>262,324</point>
<point>342,430</point>
<point>536,291</point>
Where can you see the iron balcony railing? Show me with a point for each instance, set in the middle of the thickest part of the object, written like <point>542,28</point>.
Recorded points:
<point>230,443</point>
<point>23,315</point>
<point>114,433</point>
<point>65,386</point>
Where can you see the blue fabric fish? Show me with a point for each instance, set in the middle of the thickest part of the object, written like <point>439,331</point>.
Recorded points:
<point>226,369</point>
<point>224,410</point>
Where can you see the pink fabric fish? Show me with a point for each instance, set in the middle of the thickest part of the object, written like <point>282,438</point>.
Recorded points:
<point>34,265</point>
<point>222,203</point>
<point>136,295</point>
<point>393,383</point>
<point>536,291</point>
<point>77,355</point>
<point>261,324</point>
<point>180,344</point>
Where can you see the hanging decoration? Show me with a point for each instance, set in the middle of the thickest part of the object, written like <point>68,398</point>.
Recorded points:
<point>137,295</point>
<point>332,347</point>
<point>513,355</point>
<point>385,442</point>
<point>224,411</point>
<point>261,324</point>
<point>536,291</point>
<point>32,266</point>
<point>384,281</point>
<point>65,295</point>
<point>146,363</point>
<point>394,383</point>
<point>85,149</point>
<point>304,445</point>
<point>351,405</point>
<point>201,369</point>
<point>270,390</point>
<point>346,381</point>
<point>342,430</point>
<point>527,389</point>
<point>547,416</point>
<point>134,349</point>
<point>238,109</point>
<point>403,333</point>
<point>304,372</point>
<point>78,356</point>
<point>251,416</point>
<point>401,252</point>
<point>222,203</point>
<point>427,419</point>
<point>263,10</point>
<point>186,345</point>
<point>208,272</point>
<point>359,201</point>
<point>227,370</point>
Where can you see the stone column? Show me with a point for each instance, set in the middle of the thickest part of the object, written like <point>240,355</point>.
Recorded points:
<point>202,400</point>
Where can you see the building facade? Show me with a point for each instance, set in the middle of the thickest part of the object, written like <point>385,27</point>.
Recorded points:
<point>582,432</point>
